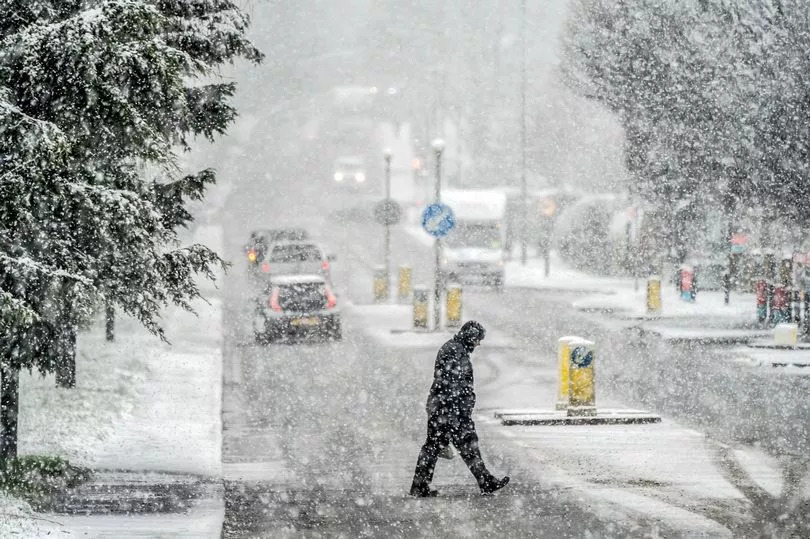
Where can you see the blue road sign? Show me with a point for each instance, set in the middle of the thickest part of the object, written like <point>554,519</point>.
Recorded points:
<point>438,220</point>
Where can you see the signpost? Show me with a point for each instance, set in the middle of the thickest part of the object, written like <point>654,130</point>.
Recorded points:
<point>387,212</point>
<point>437,220</point>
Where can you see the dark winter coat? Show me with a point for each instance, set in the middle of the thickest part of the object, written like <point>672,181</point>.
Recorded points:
<point>452,393</point>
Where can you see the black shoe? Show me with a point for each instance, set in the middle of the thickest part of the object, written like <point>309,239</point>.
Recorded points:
<point>493,485</point>
<point>423,491</point>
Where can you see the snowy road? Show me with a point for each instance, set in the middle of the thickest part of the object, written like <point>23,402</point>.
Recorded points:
<point>321,439</point>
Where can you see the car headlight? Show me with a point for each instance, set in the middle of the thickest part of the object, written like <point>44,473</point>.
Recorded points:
<point>360,177</point>
<point>338,176</point>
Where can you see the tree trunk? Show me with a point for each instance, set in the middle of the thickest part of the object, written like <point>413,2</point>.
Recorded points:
<point>9,408</point>
<point>66,366</point>
<point>109,318</point>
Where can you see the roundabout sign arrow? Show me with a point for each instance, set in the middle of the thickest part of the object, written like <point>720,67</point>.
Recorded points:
<point>438,220</point>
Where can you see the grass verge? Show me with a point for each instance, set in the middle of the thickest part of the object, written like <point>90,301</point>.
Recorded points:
<point>34,478</point>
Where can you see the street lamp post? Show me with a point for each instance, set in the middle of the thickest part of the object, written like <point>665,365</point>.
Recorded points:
<point>523,188</point>
<point>438,148</point>
<point>387,154</point>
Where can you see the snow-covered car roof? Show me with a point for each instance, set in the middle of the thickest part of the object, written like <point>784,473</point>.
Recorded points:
<point>351,160</point>
<point>298,279</point>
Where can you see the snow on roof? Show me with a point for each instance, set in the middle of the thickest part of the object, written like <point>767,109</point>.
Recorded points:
<point>475,203</point>
<point>349,160</point>
<point>298,279</point>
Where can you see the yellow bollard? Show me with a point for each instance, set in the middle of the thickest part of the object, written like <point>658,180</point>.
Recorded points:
<point>581,390</point>
<point>654,295</point>
<point>404,284</point>
<point>563,351</point>
<point>453,305</point>
<point>420,307</point>
<point>380,284</point>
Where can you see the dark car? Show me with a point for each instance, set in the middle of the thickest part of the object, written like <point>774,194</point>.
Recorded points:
<point>297,306</point>
<point>262,239</point>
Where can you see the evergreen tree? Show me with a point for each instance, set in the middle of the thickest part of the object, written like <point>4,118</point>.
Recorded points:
<point>96,98</point>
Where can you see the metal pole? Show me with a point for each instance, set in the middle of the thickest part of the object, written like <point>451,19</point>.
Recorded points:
<point>438,146</point>
<point>523,187</point>
<point>387,154</point>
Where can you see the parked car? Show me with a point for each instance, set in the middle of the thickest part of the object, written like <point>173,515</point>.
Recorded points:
<point>262,239</point>
<point>296,258</point>
<point>297,306</point>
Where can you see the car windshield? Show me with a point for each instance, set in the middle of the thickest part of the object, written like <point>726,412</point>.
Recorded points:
<point>484,235</point>
<point>271,236</point>
<point>292,234</point>
<point>302,296</point>
<point>349,164</point>
<point>295,252</point>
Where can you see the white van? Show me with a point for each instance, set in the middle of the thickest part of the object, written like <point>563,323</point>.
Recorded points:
<point>473,251</point>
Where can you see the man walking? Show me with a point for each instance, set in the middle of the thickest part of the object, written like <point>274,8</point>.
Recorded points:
<point>449,409</point>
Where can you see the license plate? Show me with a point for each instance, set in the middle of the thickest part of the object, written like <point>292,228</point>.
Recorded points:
<point>311,321</point>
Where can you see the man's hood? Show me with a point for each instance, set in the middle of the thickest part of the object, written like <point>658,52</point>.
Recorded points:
<point>467,343</point>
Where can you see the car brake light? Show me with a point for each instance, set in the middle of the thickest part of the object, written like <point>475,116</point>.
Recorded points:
<point>265,267</point>
<point>252,255</point>
<point>331,300</point>
<point>274,301</point>
<point>325,265</point>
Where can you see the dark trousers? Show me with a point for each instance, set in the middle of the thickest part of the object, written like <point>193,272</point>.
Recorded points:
<point>442,430</point>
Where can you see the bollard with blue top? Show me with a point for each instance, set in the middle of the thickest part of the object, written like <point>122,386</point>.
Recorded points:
<point>581,379</point>
<point>563,353</point>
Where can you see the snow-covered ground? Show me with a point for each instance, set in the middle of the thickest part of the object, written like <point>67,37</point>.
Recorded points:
<point>139,404</point>
<point>663,470</point>
<point>707,318</point>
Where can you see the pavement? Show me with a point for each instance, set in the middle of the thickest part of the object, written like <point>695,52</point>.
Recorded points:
<point>145,417</point>
<point>708,319</point>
